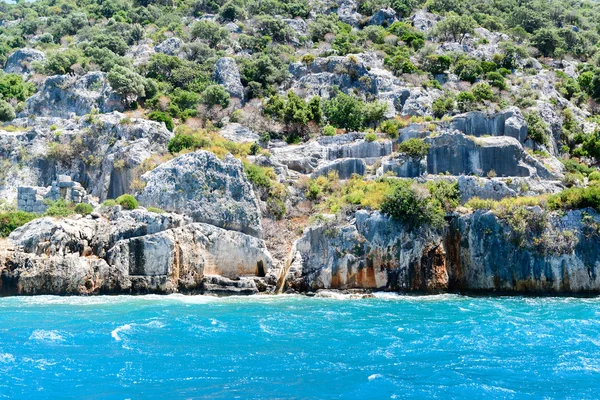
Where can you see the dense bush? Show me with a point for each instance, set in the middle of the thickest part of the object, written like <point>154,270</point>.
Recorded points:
<point>127,201</point>
<point>83,208</point>
<point>59,208</point>
<point>7,112</point>
<point>415,148</point>
<point>11,220</point>
<point>413,204</point>
<point>576,198</point>
<point>160,116</point>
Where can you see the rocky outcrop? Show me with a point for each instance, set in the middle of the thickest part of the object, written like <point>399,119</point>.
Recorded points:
<point>347,153</point>
<point>478,252</point>
<point>20,61</point>
<point>206,189</point>
<point>66,95</point>
<point>457,154</point>
<point>404,167</point>
<point>372,253</point>
<point>35,199</point>
<point>105,153</point>
<point>132,252</point>
<point>228,75</point>
<point>239,133</point>
<point>383,17</point>
<point>509,122</point>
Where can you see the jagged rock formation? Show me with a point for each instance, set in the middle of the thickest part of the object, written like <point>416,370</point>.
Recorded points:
<point>509,122</point>
<point>132,252</point>
<point>105,153</point>
<point>205,188</point>
<point>458,154</point>
<point>228,75</point>
<point>479,252</point>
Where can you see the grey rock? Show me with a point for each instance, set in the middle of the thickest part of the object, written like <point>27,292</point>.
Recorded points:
<point>239,133</point>
<point>424,21</point>
<point>170,46</point>
<point>20,61</point>
<point>404,167</point>
<point>383,17</point>
<point>228,75</point>
<point>205,188</point>
<point>509,122</point>
<point>458,154</point>
<point>344,168</point>
<point>67,95</point>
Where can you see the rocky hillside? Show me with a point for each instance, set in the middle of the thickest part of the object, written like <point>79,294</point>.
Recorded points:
<point>212,146</point>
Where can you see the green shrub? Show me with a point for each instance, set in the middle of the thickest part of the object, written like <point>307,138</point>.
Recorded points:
<point>391,127</point>
<point>442,106</point>
<point>482,91</point>
<point>257,175</point>
<point>329,130</point>
<point>465,101</point>
<point>468,70</point>
<point>160,116</point>
<point>576,198</point>
<point>413,204</point>
<point>59,208</point>
<point>594,176</point>
<point>127,201</point>
<point>156,210</point>
<point>83,208</point>
<point>7,112</point>
<point>109,203</point>
<point>370,137</point>
<point>416,148</point>
<point>481,204</point>
<point>537,129</point>
<point>11,220</point>
<point>496,79</point>
<point>445,192</point>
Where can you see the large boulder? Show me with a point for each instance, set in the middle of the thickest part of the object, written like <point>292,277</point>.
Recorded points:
<point>191,252</point>
<point>509,122</point>
<point>207,189</point>
<point>383,17</point>
<point>228,75</point>
<point>67,95</point>
<point>457,154</point>
<point>20,61</point>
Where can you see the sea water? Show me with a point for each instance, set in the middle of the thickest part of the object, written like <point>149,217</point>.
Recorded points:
<point>295,347</point>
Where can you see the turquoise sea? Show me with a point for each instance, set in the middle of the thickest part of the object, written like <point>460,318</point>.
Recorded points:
<point>295,347</point>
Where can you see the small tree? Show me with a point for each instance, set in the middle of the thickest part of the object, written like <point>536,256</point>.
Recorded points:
<point>128,84</point>
<point>345,112</point>
<point>215,94</point>
<point>7,112</point>
<point>456,27</point>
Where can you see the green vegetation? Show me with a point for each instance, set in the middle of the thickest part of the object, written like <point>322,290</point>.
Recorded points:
<point>414,205</point>
<point>83,208</point>
<point>127,201</point>
<point>415,148</point>
<point>11,220</point>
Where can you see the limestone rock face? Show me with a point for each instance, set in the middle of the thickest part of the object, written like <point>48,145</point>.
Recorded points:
<point>404,167</point>
<point>383,17</point>
<point>372,253</point>
<point>239,133</point>
<point>228,75</point>
<point>205,188</point>
<point>132,252</point>
<point>20,61</point>
<point>472,255</point>
<point>190,252</point>
<point>66,95</point>
<point>104,153</point>
<point>459,154</point>
<point>509,122</point>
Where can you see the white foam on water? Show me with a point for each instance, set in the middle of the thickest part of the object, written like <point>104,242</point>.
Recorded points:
<point>47,336</point>
<point>6,358</point>
<point>374,376</point>
<point>122,328</point>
